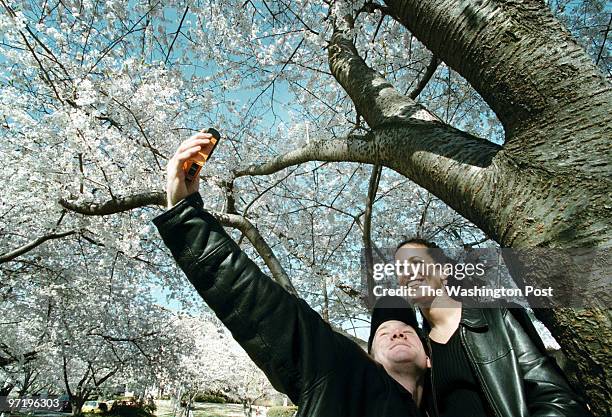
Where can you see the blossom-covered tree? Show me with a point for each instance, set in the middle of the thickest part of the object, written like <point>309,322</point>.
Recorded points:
<point>345,124</point>
<point>73,333</point>
<point>217,363</point>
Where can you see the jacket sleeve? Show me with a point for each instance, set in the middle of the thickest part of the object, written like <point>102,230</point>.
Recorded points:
<point>547,390</point>
<point>288,340</point>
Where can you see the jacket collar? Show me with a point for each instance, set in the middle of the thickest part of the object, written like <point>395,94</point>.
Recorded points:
<point>473,317</point>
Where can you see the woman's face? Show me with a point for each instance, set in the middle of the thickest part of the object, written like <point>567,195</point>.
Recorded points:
<point>419,277</point>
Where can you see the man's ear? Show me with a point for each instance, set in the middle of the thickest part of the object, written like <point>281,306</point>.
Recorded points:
<point>428,362</point>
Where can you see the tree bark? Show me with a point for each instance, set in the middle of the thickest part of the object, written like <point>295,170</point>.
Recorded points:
<point>522,61</point>
<point>5,391</point>
<point>513,199</point>
<point>366,236</point>
<point>549,186</point>
<point>77,405</point>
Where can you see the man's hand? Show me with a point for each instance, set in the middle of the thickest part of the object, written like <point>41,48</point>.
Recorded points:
<point>177,188</point>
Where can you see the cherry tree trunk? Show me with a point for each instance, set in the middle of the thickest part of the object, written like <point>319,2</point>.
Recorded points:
<point>548,186</point>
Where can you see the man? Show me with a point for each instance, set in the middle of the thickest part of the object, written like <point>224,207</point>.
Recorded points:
<point>485,361</point>
<point>323,372</point>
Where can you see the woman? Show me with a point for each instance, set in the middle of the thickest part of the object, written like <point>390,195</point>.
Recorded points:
<point>485,361</point>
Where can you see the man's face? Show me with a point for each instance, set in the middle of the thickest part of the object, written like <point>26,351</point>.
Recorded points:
<point>398,348</point>
<point>417,257</point>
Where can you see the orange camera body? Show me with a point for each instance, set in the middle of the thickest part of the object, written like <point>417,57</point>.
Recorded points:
<point>193,166</point>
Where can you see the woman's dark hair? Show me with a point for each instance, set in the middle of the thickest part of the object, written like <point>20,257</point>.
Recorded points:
<point>437,254</point>
<point>418,240</point>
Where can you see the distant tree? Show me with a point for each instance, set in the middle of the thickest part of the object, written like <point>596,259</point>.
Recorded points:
<point>217,363</point>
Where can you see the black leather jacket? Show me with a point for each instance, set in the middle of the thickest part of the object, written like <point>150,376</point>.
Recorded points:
<point>516,375</point>
<point>323,372</point>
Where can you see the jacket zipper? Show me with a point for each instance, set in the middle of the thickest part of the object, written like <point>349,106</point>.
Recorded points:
<point>480,377</point>
<point>433,389</point>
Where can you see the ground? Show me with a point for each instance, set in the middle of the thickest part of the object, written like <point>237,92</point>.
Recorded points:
<point>164,409</point>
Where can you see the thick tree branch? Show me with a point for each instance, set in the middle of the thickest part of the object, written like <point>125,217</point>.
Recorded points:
<point>354,148</point>
<point>470,174</point>
<point>414,143</point>
<point>453,165</point>
<point>520,59</point>
<point>374,97</point>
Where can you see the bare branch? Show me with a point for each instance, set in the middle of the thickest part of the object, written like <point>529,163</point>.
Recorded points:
<point>278,74</point>
<point>65,375</point>
<point>116,205</point>
<point>123,339</point>
<point>46,77</point>
<point>110,47</point>
<point>9,256</point>
<point>367,233</point>
<point>143,133</point>
<point>248,206</point>
<point>176,34</point>
<point>111,373</point>
<point>429,72</point>
<point>603,43</point>
<point>421,226</point>
<point>297,15</point>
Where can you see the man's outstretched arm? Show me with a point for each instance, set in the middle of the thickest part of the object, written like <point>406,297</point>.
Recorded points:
<point>281,333</point>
